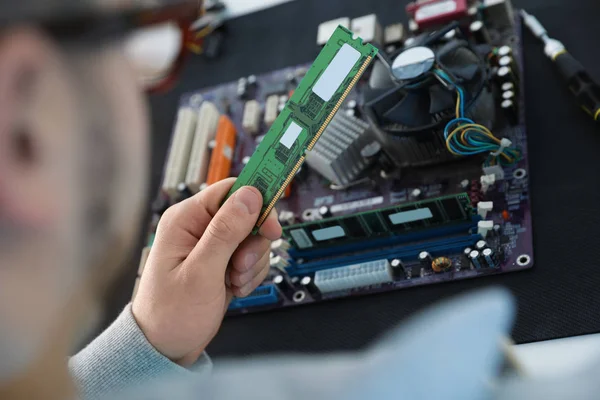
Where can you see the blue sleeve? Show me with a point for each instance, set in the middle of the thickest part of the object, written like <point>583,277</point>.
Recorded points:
<point>121,358</point>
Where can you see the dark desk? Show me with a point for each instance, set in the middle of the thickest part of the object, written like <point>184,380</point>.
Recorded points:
<point>559,297</point>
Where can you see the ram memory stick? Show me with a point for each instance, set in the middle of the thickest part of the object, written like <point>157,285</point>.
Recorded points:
<point>305,116</point>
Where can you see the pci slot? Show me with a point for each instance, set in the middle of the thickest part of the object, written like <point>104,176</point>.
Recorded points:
<point>436,248</point>
<point>220,161</point>
<point>206,130</point>
<point>353,276</point>
<point>179,154</point>
<point>261,296</point>
<point>394,222</point>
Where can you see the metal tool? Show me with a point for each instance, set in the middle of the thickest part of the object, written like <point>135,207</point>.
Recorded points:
<point>583,86</point>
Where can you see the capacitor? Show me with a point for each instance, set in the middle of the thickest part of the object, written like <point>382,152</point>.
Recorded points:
<point>480,245</point>
<point>509,95</point>
<point>480,33</point>
<point>507,74</point>
<point>416,193</point>
<point>409,42</point>
<point>507,61</point>
<point>291,78</point>
<point>441,264</point>
<point>449,36</point>
<point>490,258</point>
<point>352,104</point>
<point>425,259</point>
<point>466,257</point>
<point>474,257</point>
<point>183,191</point>
<point>398,268</point>
<point>371,151</point>
<point>504,51</point>
<point>203,186</point>
<point>284,285</point>
<point>510,111</point>
<point>252,80</point>
<point>246,160</point>
<point>308,284</point>
<point>324,212</point>
<point>506,86</point>
<point>350,112</point>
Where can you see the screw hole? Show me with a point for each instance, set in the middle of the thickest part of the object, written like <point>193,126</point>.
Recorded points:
<point>523,260</point>
<point>299,296</point>
<point>520,173</point>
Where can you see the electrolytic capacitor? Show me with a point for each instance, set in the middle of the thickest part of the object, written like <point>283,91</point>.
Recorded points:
<point>398,268</point>
<point>474,256</point>
<point>308,284</point>
<point>425,259</point>
<point>504,51</point>
<point>510,111</point>
<point>509,95</point>
<point>507,61</point>
<point>507,74</point>
<point>480,33</point>
<point>324,212</point>
<point>466,259</point>
<point>285,285</point>
<point>480,245</point>
<point>449,35</point>
<point>490,257</point>
<point>506,86</point>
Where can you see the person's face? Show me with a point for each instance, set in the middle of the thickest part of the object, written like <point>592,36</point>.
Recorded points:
<point>72,163</point>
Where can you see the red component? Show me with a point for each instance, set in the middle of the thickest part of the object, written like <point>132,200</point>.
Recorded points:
<point>505,215</point>
<point>437,12</point>
<point>288,191</point>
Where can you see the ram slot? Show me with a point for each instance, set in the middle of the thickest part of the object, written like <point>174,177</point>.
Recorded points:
<point>179,153</point>
<point>199,158</point>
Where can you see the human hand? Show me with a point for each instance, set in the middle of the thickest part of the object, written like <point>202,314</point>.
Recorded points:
<point>202,256</point>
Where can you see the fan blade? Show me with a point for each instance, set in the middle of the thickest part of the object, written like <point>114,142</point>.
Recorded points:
<point>381,100</point>
<point>449,48</point>
<point>441,99</point>
<point>380,76</point>
<point>466,72</point>
<point>412,111</point>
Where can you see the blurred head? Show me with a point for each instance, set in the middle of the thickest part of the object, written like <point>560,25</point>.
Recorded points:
<point>73,158</point>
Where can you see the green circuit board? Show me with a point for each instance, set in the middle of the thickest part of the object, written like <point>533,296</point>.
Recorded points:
<point>318,97</point>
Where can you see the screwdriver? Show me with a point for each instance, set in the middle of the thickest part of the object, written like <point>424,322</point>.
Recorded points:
<point>583,86</point>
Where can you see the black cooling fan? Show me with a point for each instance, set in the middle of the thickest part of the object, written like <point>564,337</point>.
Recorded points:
<point>409,106</point>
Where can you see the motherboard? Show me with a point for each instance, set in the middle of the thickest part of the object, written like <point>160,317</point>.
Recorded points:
<point>420,177</point>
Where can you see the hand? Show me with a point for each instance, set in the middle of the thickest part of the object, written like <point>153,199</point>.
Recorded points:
<point>201,257</point>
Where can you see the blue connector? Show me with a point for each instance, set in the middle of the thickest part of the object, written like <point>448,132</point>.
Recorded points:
<point>262,295</point>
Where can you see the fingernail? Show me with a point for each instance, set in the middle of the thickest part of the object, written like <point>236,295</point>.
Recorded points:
<point>250,260</point>
<point>248,199</point>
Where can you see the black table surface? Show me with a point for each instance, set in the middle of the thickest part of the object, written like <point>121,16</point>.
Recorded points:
<point>558,297</point>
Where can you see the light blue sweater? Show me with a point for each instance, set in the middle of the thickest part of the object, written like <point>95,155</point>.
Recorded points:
<point>449,352</point>
<point>121,358</point>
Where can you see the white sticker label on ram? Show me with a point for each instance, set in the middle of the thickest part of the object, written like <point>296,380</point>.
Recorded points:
<point>332,78</point>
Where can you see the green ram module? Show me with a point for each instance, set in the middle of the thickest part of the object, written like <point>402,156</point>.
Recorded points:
<point>305,116</point>
<point>394,220</point>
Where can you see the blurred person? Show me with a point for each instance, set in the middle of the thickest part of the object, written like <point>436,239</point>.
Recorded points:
<point>73,169</point>
<point>73,160</point>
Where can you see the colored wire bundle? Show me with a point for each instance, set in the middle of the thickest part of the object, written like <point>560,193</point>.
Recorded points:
<point>464,137</point>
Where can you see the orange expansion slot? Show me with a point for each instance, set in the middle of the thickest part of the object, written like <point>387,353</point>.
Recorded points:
<point>220,161</point>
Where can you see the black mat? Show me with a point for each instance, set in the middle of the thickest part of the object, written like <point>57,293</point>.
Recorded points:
<point>559,297</point>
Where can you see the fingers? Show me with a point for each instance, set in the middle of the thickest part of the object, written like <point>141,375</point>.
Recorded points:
<point>184,223</point>
<point>260,273</point>
<point>230,226</point>
<point>250,252</point>
<point>242,278</point>
<point>271,228</point>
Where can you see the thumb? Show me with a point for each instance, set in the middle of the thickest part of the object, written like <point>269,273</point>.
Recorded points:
<point>226,231</point>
